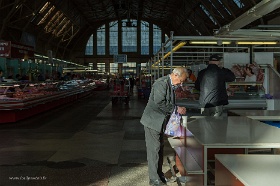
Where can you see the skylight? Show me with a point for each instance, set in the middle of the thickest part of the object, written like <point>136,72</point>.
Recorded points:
<point>239,3</point>
<point>224,7</point>
<point>47,14</point>
<point>208,14</point>
<point>216,9</point>
<point>55,22</point>
<point>194,27</point>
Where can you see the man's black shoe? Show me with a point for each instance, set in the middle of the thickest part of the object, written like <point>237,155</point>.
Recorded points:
<point>156,183</point>
<point>163,179</point>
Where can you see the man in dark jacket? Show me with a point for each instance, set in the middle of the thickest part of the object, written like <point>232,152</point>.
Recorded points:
<point>160,105</point>
<point>211,83</point>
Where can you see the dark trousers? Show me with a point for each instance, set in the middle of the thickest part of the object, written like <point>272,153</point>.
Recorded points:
<point>154,145</point>
<point>212,111</point>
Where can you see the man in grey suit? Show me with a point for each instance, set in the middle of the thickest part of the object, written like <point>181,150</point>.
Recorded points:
<point>156,114</point>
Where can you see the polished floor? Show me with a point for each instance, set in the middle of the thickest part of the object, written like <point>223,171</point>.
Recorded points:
<point>86,143</point>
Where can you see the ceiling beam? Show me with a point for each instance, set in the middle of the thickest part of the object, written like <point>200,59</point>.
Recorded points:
<point>254,13</point>
<point>140,9</point>
<point>8,17</point>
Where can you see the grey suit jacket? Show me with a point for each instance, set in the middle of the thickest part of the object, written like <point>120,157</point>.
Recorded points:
<point>161,103</point>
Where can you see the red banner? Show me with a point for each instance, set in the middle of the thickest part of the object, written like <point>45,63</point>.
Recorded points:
<point>10,49</point>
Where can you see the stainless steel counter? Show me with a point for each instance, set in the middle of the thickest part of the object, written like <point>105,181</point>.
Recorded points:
<point>251,170</point>
<point>232,133</point>
<point>233,104</point>
<point>263,115</point>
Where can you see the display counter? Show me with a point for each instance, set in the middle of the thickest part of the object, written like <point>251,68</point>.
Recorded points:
<point>22,100</point>
<point>241,95</point>
<point>262,115</point>
<point>223,135</point>
<point>249,170</point>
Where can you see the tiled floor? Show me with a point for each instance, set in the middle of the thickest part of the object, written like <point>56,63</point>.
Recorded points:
<point>89,142</point>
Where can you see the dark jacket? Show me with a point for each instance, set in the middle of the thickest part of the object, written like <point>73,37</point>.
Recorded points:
<point>211,83</point>
<point>161,103</point>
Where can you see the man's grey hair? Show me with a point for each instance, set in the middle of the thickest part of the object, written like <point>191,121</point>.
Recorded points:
<point>180,71</point>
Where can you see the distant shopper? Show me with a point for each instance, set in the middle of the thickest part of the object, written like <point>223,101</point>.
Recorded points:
<point>156,115</point>
<point>211,83</point>
<point>1,76</point>
<point>18,77</point>
<point>131,82</point>
<point>250,76</point>
<point>192,77</point>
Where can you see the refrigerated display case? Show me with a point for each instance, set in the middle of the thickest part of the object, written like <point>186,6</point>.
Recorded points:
<point>242,95</point>
<point>21,100</point>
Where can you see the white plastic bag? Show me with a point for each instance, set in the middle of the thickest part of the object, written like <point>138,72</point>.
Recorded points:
<point>173,127</point>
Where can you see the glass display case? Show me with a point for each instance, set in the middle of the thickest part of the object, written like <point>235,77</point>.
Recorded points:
<point>19,100</point>
<point>187,91</point>
<point>245,90</point>
<point>242,95</point>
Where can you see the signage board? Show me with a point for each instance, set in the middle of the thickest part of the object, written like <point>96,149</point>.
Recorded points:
<point>5,49</point>
<point>10,49</point>
<point>120,58</point>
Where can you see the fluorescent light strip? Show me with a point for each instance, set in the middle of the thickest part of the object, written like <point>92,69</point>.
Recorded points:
<point>209,42</point>
<point>257,42</point>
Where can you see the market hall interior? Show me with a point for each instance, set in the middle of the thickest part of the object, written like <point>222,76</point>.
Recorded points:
<point>86,142</point>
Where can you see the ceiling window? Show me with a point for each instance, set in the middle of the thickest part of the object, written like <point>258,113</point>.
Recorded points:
<point>129,36</point>
<point>216,9</point>
<point>113,37</point>
<point>101,40</point>
<point>156,39</point>
<point>144,38</point>
<point>199,33</point>
<point>208,14</point>
<point>224,7</point>
<point>89,46</point>
<point>55,22</point>
<point>238,3</point>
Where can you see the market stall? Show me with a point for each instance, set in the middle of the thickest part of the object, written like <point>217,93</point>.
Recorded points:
<point>23,100</point>
<point>208,136</point>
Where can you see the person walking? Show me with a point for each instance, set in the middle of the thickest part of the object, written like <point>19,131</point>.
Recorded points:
<point>192,77</point>
<point>1,76</point>
<point>211,82</point>
<point>156,114</point>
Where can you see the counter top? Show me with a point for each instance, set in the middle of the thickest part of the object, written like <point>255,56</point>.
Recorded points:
<point>256,112</point>
<point>263,115</point>
<point>233,103</point>
<point>234,131</point>
<point>253,170</point>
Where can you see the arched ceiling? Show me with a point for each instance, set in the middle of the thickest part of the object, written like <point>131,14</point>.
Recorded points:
<point>75,20</point>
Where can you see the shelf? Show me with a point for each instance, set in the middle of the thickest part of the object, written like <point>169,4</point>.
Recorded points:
<point>189,162</point>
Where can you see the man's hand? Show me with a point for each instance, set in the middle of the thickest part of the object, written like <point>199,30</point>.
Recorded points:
<point>181,110</point>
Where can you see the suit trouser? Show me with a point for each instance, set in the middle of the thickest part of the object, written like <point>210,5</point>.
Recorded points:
<point>212,111</point>
<point>154,145</point>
